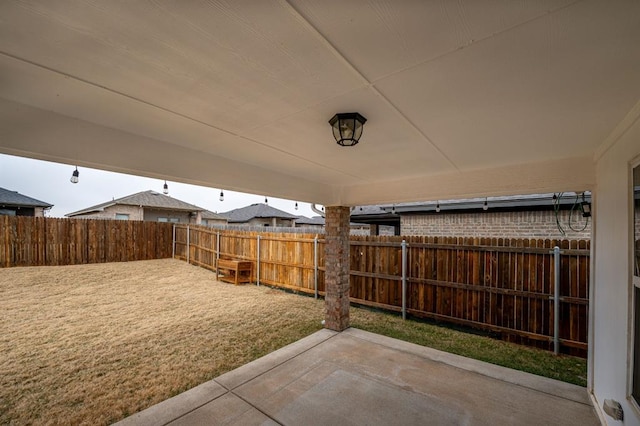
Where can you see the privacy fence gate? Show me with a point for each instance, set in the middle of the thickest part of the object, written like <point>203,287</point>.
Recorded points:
<point>499,285</point>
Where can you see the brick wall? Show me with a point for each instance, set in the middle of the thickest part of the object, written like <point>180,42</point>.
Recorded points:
<point>269,221</point>
<point>153,215</point>
<point>134,212</point>
<point>337,268</point>
<point>528,224</point>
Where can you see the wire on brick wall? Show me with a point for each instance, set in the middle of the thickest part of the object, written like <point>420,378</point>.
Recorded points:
<point>556,211</point>
<point>573,208</point>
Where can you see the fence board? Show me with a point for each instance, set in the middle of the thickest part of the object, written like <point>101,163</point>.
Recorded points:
<point>29,241</point>
<point>501,285</point>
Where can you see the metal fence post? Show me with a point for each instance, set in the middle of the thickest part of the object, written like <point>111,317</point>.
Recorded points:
<point>404,279</point>
<point>556,300</point>
<point>258,263</point>
<point>188,244</point>
<point>173,244</point>
<point>315,267</point>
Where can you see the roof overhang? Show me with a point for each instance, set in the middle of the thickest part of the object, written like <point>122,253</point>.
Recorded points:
<point>463,99</point>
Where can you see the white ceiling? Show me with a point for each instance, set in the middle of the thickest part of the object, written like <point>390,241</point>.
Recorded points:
<point>464,98</point>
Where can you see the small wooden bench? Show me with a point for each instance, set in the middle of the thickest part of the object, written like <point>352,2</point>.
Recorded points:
<point>234,271</point>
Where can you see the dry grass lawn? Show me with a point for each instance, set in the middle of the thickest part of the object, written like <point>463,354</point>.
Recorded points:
<point>91,344</point>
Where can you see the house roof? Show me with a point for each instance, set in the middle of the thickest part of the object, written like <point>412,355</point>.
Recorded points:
<point>463,99</point>
<point>254,211</point>
<point>209,215</point>
<point>14,198</point>
<point>148,199</point>
<point>391,212</point>
<point>315,220</point>
<point>515,202</point>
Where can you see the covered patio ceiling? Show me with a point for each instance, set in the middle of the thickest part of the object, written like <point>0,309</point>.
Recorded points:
<point>466,98</point>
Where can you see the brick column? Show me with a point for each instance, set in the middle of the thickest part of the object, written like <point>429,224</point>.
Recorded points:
<point>336,277</point>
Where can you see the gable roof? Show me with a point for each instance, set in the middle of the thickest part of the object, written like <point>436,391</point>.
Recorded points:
<point>209,215</point>
<point>315,220</point>
<point>254,211</point>
<point>14,198</point>
<point>144,199</point>
<point>512,202</point>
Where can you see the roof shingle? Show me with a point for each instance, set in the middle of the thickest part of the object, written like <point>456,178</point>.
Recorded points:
<point>145,199</point>
<point>245,214</point>
<point>14,198</point>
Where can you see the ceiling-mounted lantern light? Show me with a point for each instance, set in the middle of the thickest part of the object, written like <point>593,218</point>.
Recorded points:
<point>347,128</point>
<point>221,195</point>
<point>165,188</point>
<point>75,175</point>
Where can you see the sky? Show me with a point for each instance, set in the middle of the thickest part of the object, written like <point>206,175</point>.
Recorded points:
<point>49,182</point>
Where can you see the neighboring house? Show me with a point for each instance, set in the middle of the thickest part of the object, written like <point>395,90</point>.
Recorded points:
<point>210,218</point>
<point>524,216</point>
<point>317,222</point>
<point>313,222</point>
<point>12,203</point>
<point>260,215</point>
<point>147,205</point>
<point>381,222</point>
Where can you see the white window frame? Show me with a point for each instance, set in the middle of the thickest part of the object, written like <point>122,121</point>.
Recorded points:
<point>169,219</point>
<point>635,285</point>
<point>122,216</point>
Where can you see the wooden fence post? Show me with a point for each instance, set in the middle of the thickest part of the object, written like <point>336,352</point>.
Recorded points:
<point>258,262</point>
<point>188,244</point>
<point>315,267</point>
<point>173,243</point>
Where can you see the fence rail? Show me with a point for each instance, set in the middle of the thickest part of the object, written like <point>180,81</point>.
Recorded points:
<point>501,285</point>
<point>29,241</point>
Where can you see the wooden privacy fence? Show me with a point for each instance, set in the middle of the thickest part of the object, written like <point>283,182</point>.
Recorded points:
<point>29,241</point>
<point>500,285</point>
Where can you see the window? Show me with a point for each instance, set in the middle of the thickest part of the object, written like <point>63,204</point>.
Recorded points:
<point>169,219</point>
<point>635,392</point>
<point>122,216</point>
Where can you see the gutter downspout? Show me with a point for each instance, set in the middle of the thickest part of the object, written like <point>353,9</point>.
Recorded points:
<point>317,210</point>
<point>320,212</point>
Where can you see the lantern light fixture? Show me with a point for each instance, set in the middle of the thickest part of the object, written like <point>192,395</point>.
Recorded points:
<point>165,188</point>
<point>221,195</point>
<point>347,128</point>
<point>585,206</point>
<point>75,175</point>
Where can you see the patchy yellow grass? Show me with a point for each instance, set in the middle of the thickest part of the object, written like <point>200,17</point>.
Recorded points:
<point>91,344</point>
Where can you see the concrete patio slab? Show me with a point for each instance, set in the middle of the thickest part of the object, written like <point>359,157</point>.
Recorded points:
<point>356,377</point>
